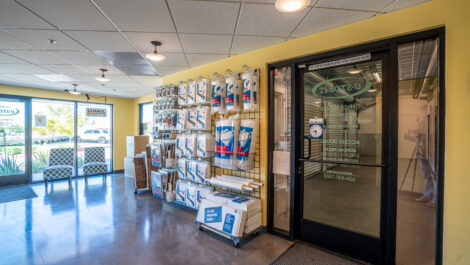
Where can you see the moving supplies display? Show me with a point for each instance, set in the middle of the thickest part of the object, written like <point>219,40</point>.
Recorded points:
<point>136,144</point>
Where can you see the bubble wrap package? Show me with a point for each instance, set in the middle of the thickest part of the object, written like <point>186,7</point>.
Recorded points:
<point>205,145</point>
<point>232,86</point>
<point>203,171</point>
<point>218,95</point>
<point>250,80</point>
<point>247,143</point>
<point>203,118</point>
<point>191,99</point>
<point>203,94</point>
<point>227,144</point>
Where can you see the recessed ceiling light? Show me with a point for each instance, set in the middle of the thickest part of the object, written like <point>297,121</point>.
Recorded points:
<point>355,71</point>
<point>103,78</point>
<point>155,56</point>
<point>51,41</point>
<point>74,91</point>
<point>291,5</point>
<point>55,78</point>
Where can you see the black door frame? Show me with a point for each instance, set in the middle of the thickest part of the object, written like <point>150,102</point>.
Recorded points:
<point>388,247</point>
<point>141,115</point>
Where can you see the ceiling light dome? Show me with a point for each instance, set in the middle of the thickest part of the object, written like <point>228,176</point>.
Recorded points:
<point>74,91</point>
<point>155,56</point>
<point>103,78</point>
<point>291,5</point>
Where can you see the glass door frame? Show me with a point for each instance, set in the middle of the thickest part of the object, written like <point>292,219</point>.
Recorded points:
<point>387,250</point>
<point>25,178</point>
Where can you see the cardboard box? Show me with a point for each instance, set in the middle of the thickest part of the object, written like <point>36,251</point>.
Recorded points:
<point>136,144</point>
<point>222,217</point>
<point>129,169</point>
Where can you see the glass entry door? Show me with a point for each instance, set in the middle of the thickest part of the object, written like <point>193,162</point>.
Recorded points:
<point>342,162</point>
<point>13,158</point>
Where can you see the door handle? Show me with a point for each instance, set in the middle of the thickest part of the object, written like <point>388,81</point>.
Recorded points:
<point>309,149</point>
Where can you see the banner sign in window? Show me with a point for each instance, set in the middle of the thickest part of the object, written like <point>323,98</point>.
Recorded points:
<point>213,215</point>
<point>40,121</point>
<point>96,112</point>
<point>355,59</point>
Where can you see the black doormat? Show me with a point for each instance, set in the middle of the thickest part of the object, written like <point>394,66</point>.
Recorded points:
<point>16,193</point>
<point>302,254</point>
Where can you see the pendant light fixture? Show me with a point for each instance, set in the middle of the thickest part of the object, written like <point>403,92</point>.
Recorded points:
<point>155,56</point>
<point>103,78</point>
<point>74,91</point>
<point>289,6</point>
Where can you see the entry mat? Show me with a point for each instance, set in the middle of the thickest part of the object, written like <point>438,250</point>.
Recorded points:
<point>302,254</point>
<point>16,193</point>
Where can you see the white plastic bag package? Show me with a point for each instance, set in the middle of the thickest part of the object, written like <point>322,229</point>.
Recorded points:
<point>203,171</point>
<point>218,95</point>
<point>191,93</point>
<point>247,143</point>
<point>203,118</point>
<point>250,80</point>
<point>181,186</point>
<point>216,141</point>
<point>202,193</point>
<point>181,119</point>
<point>180,145</point>
<point>203,91</point>
<point>191,170</point>
<point>191,195</point>
<point>191,121</point>
<point>182,94</point>
<point>182,168</point>
<point>191,145</point>
<point>205,145</point>
<point>232,86</point>
<point>227,145</point>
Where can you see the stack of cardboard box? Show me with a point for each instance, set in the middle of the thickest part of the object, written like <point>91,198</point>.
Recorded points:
<point>135,145</point>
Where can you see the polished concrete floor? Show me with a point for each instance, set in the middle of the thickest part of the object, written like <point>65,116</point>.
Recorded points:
<point>105,223</point>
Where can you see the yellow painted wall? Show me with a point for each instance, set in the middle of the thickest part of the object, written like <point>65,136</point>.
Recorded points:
<point>123,115</point>
<point>455,15</point>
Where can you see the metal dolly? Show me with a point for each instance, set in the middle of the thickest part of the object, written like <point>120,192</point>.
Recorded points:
<point>235,240</point>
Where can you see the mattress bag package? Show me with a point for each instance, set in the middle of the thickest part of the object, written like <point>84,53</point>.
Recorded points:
<point>222,217</point>
<point>180,144</point>
<point>232,88</point>
<point>191,99</point>
<point>203,91</point>
<point>191,120</point>
<point>226,145</point>
<point>182,94</point>
<point>205,145</point>
<point>182,168</point>
<point>181,186</point>
<point>203,118</point>
<point>250,79</point>
<point>218,95</point>
<point>181,119</point>
<point>247,143</point>
<point>203,171</point>
<point>191,170</point>
<point>190,145</point>
<point>191,195</point>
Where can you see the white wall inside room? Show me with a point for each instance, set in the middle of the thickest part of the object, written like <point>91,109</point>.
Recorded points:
<point>408,114</point>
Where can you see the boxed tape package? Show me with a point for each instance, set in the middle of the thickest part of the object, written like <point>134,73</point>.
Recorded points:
<point>203,171</point>
<point>182,168</point>
<point>247,143</point>
<point>250,79</point>
<point>182,94</point>
<point>218,95</point>
<point>222,217</point>
<point>181,186</point>
<point>191,93</point>
<point>203,118</point>
<point>191,170</point>
<point>203,94</point>
<point>226,144</point>
<point>232,88</point>
<point>205,145</point>
<point>190,145</point>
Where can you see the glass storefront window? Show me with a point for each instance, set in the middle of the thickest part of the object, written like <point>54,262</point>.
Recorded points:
<point>146,118</point>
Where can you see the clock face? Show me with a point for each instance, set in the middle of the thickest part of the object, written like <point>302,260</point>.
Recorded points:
<point>316,131</point>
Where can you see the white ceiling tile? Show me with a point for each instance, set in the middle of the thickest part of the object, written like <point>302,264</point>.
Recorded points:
<point>266,20</point>
<point>167,70</point>
<point>242,44</point>
<point>320,19</point>
<point>7,41</point>
<point>204,17</point>
<point>95,69</point>
<point>200,59</point>
<point>102,41</point>
<point>81,57</point>
<point>13,15</point>
<point>39,38</point>
<point>148,81</point>
<point>312,2</point>
<point>400,4</point>
<point>22,69</point>
<point>6,58</point>
<point>153,15</point>
<point>171,59</point>
<point>26,78</point>
<point>70,14</point>
<point>170,42</point>
<point>37,57</point>
<point>202,43</point>
<point>82,78</point>
<point>368,5</point>
<point>65,69</point>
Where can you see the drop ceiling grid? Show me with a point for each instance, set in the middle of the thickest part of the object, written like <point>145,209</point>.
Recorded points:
<point>88,25</point>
